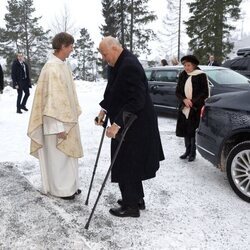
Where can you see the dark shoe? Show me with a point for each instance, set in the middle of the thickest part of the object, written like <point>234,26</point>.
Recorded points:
<point>24,108</point>
<point>72,197</point>
<point>184,156</point>
<point>78,191</point>
<point>191,158</point>
<point>141,204</point>
<point>125,211</point>
<point>19,111</point>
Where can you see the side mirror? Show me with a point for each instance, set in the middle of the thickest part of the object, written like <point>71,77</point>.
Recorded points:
<point>210,84</point>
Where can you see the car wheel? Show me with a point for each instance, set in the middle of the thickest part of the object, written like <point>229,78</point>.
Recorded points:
<point>238,170</point>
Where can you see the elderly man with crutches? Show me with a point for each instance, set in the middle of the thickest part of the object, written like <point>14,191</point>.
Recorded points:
<point>141,151</point>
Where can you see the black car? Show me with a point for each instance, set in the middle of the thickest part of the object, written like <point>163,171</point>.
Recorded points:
<point>241,63</point>
<point>223,138</point>
<point>163,80</point>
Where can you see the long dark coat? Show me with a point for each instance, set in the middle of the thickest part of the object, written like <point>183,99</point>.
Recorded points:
<point>18,75</point>
<point>186,127</point>
<point>127,91</point>
<point>1,79</point>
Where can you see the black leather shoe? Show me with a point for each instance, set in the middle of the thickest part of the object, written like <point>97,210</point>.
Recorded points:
<point>72,197</point>
<point>125,211</point>
<point>24,108</point>
<point>141,203</point>
<point>78,191</point>
<point>19,111</point>
<point>184,156</point>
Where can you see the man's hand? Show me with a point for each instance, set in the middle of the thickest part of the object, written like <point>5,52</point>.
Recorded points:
<point>62,135</point>
<point>16,87</point>
<point>112,131</point>
<point>100,118</point>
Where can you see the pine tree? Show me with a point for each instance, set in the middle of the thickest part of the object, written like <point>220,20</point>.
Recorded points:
<point>127,20</point>
<point>209,29</point>
<point>9,36</point>
<point>86,61</point>
<point>139,34</point>
<point>110,28</point>
<point>23,34</point>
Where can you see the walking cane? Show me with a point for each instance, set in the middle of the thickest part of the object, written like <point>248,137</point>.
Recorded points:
<point>131,119</point>
<point>97,157</point>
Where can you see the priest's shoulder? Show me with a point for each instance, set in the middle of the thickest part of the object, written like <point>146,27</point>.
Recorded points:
<point>50,68</point>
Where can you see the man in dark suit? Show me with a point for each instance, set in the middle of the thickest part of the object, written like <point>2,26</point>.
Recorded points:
<point>21,81</point>
<point>212,61</point>
<point>1,80</point>
<point>141,151</point>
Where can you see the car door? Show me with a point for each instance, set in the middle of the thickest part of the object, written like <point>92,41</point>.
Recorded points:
<point>162,87</point>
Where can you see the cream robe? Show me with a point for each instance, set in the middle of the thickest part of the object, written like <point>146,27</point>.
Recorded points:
<point>56,109</point>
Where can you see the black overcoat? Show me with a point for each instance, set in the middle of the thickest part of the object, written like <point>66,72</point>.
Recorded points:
<point>1,79</point>
<point>127,91</point>
<point>186,127</point>
<point>18,74</point>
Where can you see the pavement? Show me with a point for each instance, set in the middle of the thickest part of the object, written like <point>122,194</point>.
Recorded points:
<point>31,220</point>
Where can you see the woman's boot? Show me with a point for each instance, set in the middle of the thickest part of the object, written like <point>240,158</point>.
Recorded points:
<point>192,154</point>
<point>188,147</point>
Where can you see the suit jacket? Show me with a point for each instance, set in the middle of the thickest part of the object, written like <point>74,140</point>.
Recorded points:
<point>127,92</point>
<point>18,75</point>
<point>214,63</point>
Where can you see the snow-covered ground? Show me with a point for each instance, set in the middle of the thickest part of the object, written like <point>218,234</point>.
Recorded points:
<point>188,205</point>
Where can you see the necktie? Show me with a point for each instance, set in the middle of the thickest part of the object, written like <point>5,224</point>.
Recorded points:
<point>24,69</point>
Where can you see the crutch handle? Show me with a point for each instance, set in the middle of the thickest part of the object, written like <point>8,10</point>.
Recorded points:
<point>104,122</point>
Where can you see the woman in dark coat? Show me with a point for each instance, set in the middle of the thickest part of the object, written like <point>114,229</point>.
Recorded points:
<point>141,151</point>
<point>191,90</point>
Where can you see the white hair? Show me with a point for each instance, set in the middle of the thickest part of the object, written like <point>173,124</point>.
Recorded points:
<point>110,41</point>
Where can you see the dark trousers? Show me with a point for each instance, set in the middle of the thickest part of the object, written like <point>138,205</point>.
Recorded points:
<point>131,192</point>
<point>23,87</point>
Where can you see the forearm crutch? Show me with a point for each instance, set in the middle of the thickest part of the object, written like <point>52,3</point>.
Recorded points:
<point>129,122</point>
<point>97,157</point>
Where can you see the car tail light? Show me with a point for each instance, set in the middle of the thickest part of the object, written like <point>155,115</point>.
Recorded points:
<point>202,114</point>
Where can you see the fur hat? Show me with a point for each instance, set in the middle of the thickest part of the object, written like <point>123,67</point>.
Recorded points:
<point>190,58</point>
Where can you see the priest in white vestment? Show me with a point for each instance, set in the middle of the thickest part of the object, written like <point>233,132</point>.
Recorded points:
<point>53,126</point>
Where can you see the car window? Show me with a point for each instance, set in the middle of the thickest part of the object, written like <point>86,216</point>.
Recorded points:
<point>226,76</point>
<point>148,74</point>
<point>165,75</point>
